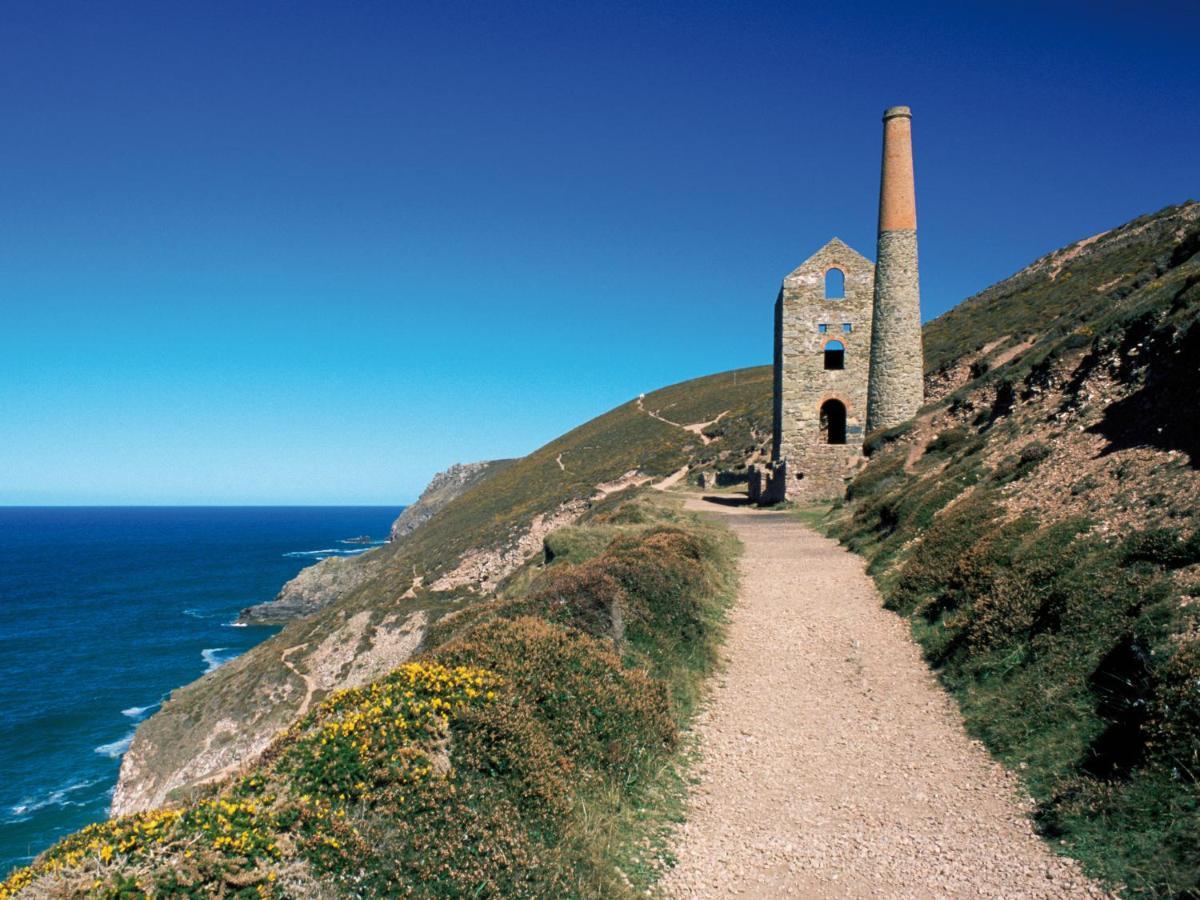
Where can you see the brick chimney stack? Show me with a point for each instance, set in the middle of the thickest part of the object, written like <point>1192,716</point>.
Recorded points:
<point>896,385</point>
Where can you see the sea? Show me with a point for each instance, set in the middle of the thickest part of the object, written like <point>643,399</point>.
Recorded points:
<point>105,610</point>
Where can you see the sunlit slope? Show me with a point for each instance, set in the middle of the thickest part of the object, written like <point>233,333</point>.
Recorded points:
<point>213,725</point>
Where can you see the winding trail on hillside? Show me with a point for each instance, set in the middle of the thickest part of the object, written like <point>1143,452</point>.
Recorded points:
<point>696,428</point>
<point>310,686</point>
<point>832,763</point>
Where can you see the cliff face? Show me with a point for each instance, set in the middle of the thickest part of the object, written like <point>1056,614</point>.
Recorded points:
<point>322,583</point>
<point>371,614</point>
<point>444,487</point>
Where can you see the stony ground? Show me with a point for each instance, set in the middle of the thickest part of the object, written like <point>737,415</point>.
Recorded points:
<point>833,765</point>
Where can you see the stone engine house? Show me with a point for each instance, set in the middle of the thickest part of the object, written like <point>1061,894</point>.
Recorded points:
<point>848,354</point>
<point>822,360</point>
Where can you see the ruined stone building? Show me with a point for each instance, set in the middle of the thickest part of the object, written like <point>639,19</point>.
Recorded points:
<point>848,356</point>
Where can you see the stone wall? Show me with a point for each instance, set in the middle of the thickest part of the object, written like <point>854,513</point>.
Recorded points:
<point>814,468</point>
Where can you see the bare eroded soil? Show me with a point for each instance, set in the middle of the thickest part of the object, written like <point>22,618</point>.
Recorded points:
<point>833,765</point>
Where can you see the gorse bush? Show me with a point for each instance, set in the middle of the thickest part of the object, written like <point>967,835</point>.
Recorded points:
<point>598,713</point>
<point>480,769</point>
<point>369,737</point>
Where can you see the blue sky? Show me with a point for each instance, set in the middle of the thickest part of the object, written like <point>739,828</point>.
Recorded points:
<point>313,252</point>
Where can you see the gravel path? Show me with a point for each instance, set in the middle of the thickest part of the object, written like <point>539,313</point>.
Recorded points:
<point>833,765</point>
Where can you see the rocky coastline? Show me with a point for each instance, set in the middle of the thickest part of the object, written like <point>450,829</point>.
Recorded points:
<point>323,583</point>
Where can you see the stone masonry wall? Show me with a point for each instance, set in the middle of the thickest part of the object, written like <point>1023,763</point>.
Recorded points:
<point>897,384</point>
<point>815,469</point>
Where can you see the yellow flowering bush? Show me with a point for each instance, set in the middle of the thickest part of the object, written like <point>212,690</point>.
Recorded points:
<point>383,733</point>
<point>239,829</point>
<point>355,742</point>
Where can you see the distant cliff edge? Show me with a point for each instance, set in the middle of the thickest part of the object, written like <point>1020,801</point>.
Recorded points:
<point>319,585</point>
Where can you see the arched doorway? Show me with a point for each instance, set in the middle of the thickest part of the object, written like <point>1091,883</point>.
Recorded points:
<point>833,422</point>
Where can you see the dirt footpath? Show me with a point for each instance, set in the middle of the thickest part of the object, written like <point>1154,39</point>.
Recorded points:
<point>833,765</point>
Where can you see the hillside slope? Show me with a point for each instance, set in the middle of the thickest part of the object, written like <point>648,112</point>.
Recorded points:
<point>210,727</point>
<point>1039,525</point>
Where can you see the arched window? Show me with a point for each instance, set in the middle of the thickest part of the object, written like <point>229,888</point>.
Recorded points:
<point>835,355</point>
<point>835,284</point>
<point>833,422</point>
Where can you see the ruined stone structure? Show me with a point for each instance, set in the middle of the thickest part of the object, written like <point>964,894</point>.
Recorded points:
<point>848,353</point>
<point>822,353</point>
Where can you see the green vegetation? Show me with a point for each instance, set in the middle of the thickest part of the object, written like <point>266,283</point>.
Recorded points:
<point>531,750</point>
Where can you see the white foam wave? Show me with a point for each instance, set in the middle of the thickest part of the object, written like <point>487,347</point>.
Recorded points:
<point>136,712</point>
<point>326,553</point>
<point>116,749</point>
<point>212,660</point>
<point>20,812</point>
<point>234,624</point>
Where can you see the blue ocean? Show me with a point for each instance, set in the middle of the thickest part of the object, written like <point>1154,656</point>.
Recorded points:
<point>104,610</point>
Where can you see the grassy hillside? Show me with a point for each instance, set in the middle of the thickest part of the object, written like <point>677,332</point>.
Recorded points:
<point>602,450</point>
<point>528,751</point>
<point>1039,527</point>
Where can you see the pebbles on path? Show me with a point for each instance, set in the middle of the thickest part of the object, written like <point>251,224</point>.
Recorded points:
<point>832,763</point>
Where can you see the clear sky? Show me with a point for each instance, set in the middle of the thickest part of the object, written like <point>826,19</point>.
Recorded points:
<point>313,252</point>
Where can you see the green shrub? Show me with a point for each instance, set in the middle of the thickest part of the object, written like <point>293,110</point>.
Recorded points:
<point>881,438</point>
<point>1033,452</point>
<point>928,568</point>
<point>575,544</point>
<point>1163,547</point>
<point>948,440</point>
<point>1173,724</point>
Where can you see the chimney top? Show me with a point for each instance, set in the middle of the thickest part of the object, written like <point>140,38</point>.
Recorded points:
<point>893,112</point>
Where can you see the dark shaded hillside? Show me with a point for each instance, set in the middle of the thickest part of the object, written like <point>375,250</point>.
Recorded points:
<point>1068,290</point>
<point>1039,525</point>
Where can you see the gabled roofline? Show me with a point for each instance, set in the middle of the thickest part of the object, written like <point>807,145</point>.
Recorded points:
<point>838,245</point>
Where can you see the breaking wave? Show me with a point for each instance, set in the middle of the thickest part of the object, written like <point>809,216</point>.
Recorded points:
<point>212,660</point>
<point>116,749</point>
<point>60,797</point>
